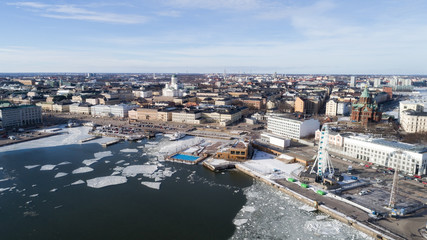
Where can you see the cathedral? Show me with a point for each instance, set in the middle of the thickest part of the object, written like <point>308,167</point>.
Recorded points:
<point>365,110</point>
<point>173,89</point>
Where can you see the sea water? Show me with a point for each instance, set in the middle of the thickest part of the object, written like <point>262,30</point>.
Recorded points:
<point>126,191</point>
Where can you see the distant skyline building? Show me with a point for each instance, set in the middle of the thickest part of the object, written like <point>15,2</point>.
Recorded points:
<point>352,81</point>
<point>377,82</point>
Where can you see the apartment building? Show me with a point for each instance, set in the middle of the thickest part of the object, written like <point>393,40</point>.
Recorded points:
<point>20,116</point>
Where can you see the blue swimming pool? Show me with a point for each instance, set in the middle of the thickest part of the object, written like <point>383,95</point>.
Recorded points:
<point>185,157</point>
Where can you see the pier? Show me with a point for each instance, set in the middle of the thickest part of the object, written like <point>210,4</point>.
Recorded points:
<point>89,139</point>
<point>112,142</point>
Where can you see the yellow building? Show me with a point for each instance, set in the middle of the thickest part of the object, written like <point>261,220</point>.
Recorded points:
<point>239,151</point>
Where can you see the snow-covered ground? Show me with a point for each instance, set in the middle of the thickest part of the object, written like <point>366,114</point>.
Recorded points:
<point>265,164</point>
<point>68,136</point>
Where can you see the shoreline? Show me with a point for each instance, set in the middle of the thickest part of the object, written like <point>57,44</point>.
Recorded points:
<point>378,233</point>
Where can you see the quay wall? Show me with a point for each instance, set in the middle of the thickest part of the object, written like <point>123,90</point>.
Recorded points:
<point>333,213</point>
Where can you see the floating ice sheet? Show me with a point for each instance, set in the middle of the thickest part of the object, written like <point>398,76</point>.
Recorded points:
<point>31,166</point>
<point>78,182</point>
<point>132,171</point>
<point>60,174</point>
<point>64,163</point>
<point>129,150</point>
<point>153,185</point>
<point>101,182</point>
<point>47,167</point>
<point>82,170</point>
<point>239,222</point>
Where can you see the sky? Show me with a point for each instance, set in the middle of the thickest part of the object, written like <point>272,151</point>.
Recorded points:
<point>213,36</point>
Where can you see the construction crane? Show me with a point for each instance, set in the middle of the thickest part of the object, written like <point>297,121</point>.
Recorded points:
<point>323,164</point>
<point>394,188</point>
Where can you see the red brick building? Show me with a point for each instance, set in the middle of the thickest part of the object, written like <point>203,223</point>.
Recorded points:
<point>365,110</point>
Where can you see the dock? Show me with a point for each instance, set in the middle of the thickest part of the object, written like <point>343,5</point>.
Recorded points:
<point>89,139</point>
<point>217,165</point>
<point>112,142</point>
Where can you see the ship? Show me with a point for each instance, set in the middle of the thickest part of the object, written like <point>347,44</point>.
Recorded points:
<point>177,136</point>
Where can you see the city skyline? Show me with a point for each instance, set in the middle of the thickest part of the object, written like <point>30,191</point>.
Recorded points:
<point>199,36</point>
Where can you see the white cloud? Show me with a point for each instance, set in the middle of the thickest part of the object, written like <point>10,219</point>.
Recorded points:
<point>216,4</point>
<point>169,13</point>
<point>60,11</point>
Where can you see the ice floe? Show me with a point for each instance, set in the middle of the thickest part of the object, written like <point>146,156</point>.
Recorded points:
<point>98,156</point>
<point>104,154</point>
<point>132,171</point>
<point>82,170</point>
<point>64,163</point>
<point>239,222</point>
<point>4,189</point>
<point>60,174</point>
<point>89,162</point>
<point>120,161</point>
<point>129,150</point>
<point>248,209</point>
<point>47,167</point>
<point>153,185</point>
<point>31,166</point>
<point>326,228</point>
<point>78,182</point>
<point>101,182</point>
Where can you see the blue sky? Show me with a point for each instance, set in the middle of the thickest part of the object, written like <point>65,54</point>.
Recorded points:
<point>252,36</point>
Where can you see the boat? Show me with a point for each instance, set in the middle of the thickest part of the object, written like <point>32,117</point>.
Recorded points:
<point>73,124</point>
<point>177,136</point>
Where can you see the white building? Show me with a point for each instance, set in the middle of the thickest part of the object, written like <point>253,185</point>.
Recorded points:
<point>273,139</point>
<point>80,108</point>
<point>352,81</point>
<point>173,89</point>
<point>120,111</point>
<point>19,116</point>
<point>409,158</point>
<point>334,108</point>
<point>413,121</point>
<point>343,108</point>
<point>377,82</point>
<point>331,108</point>
<point>142,93</point>
<point>292,127</point>
<point>406,105</point>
